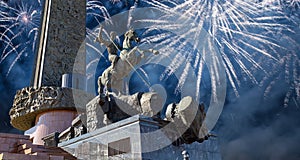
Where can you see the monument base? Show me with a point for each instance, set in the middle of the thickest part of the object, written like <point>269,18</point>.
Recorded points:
<point>139,138</point>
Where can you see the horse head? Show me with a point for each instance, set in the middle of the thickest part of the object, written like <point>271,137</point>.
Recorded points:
<point>130,36</point>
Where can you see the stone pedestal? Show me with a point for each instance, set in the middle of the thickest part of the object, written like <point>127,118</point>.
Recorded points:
<point>138,137</point>
<point>52,121</point>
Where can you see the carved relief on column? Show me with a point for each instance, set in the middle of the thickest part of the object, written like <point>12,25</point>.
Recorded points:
<point>30,101</point>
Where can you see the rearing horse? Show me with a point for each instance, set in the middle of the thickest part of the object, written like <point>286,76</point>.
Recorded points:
<point>112,77</point>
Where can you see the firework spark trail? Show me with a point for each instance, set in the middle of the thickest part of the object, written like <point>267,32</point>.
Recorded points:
<point>15,61</point>
<point>13,50</point>
<point>176,63</point>
<point>241,64</point>
<point>146,75</point>
<point>287,71</point>
<point>166,47</point>
<point>199,75</point>
<point>94,7</point>
<point>186,72</point>
<point>215,75</point>
<point>243,53</point>
<point>291,62</point>
<point>230,71</point>
<point>10,42</point>
<point>294,3</point>
<point>159,5</point>
<point>156,38</point>
<point>92,34</point>
<point>165,53</point>
<point>34,31</point>
<point>197,60</point>
<point>115,1</point>
<point>97,50</point>
<point>9,29</point>
<point>93,62</point>
<point>183,78</point>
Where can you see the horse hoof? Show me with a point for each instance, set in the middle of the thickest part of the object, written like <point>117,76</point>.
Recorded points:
<point>101,102</point>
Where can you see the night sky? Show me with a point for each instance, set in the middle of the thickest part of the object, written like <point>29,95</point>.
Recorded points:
<point>261,112</point>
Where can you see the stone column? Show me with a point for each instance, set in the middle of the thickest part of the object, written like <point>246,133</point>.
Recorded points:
<point>61,36</point>
<point>61,51</point>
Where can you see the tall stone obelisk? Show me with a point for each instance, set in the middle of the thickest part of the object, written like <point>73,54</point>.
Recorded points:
<point>48,104</point>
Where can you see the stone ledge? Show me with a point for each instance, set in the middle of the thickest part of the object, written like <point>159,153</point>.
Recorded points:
<point>19,147</point>
<point>14,156</point>
<point>29,102</point>
<point>113,126</point>
<point>136,128</point>
<point>17,136</point>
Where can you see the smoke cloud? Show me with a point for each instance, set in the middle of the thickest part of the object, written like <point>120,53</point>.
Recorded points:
<point>256,127</point>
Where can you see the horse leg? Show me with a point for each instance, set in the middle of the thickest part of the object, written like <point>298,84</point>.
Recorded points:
<point>100,85</point>
<point>108,84</point>
<point>118,85</point>
<point>100,91</point>
<point>153,51</point>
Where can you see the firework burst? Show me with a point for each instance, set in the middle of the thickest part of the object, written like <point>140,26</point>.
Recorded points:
<point>245,35</point>
<point>19,22</point>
